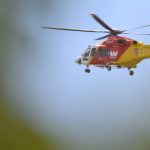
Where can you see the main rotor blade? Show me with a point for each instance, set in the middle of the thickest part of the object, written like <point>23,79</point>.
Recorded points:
<point>137,33</point>
<point>137,28</point>
<point>73,29</point>
<point>103,37</point>
<point>100,21</point>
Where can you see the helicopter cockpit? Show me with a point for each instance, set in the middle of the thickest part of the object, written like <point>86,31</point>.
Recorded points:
<point>86,52</point>
<point>89,52</point>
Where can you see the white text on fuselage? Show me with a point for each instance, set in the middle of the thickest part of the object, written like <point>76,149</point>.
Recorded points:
<point>113,54</point>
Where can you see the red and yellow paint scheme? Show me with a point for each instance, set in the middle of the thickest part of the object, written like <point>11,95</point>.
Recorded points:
<point>116,51</point>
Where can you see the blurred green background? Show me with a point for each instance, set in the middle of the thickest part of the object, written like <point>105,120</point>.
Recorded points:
<point>15,132</point>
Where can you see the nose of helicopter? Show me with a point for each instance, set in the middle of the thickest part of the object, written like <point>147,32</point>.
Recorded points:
<point>78,60</point>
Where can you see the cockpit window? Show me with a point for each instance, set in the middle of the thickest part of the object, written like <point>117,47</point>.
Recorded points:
<point>90,51</point>
<point>103,52</point>
<point>93,51</point>
<point>87,52</point>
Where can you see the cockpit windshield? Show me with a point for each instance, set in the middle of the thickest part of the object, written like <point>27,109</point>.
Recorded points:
<point>93,50</point>
<point>87,51</point>
<point>90,51</point>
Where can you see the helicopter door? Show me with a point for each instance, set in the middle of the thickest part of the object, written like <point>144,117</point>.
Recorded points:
<point>103,54</point>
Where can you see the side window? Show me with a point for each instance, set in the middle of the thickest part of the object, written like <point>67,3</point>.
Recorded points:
<point>103,52</point>
<point>106,51</point>
<point>93,52</point>
<point>100,52</point>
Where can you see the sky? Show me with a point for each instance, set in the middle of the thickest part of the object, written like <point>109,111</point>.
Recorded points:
<point>97,110</point>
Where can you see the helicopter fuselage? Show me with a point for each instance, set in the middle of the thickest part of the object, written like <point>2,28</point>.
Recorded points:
<point>116,51</point>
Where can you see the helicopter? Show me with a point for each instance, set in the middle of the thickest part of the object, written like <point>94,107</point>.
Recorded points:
<point>114,52</point>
